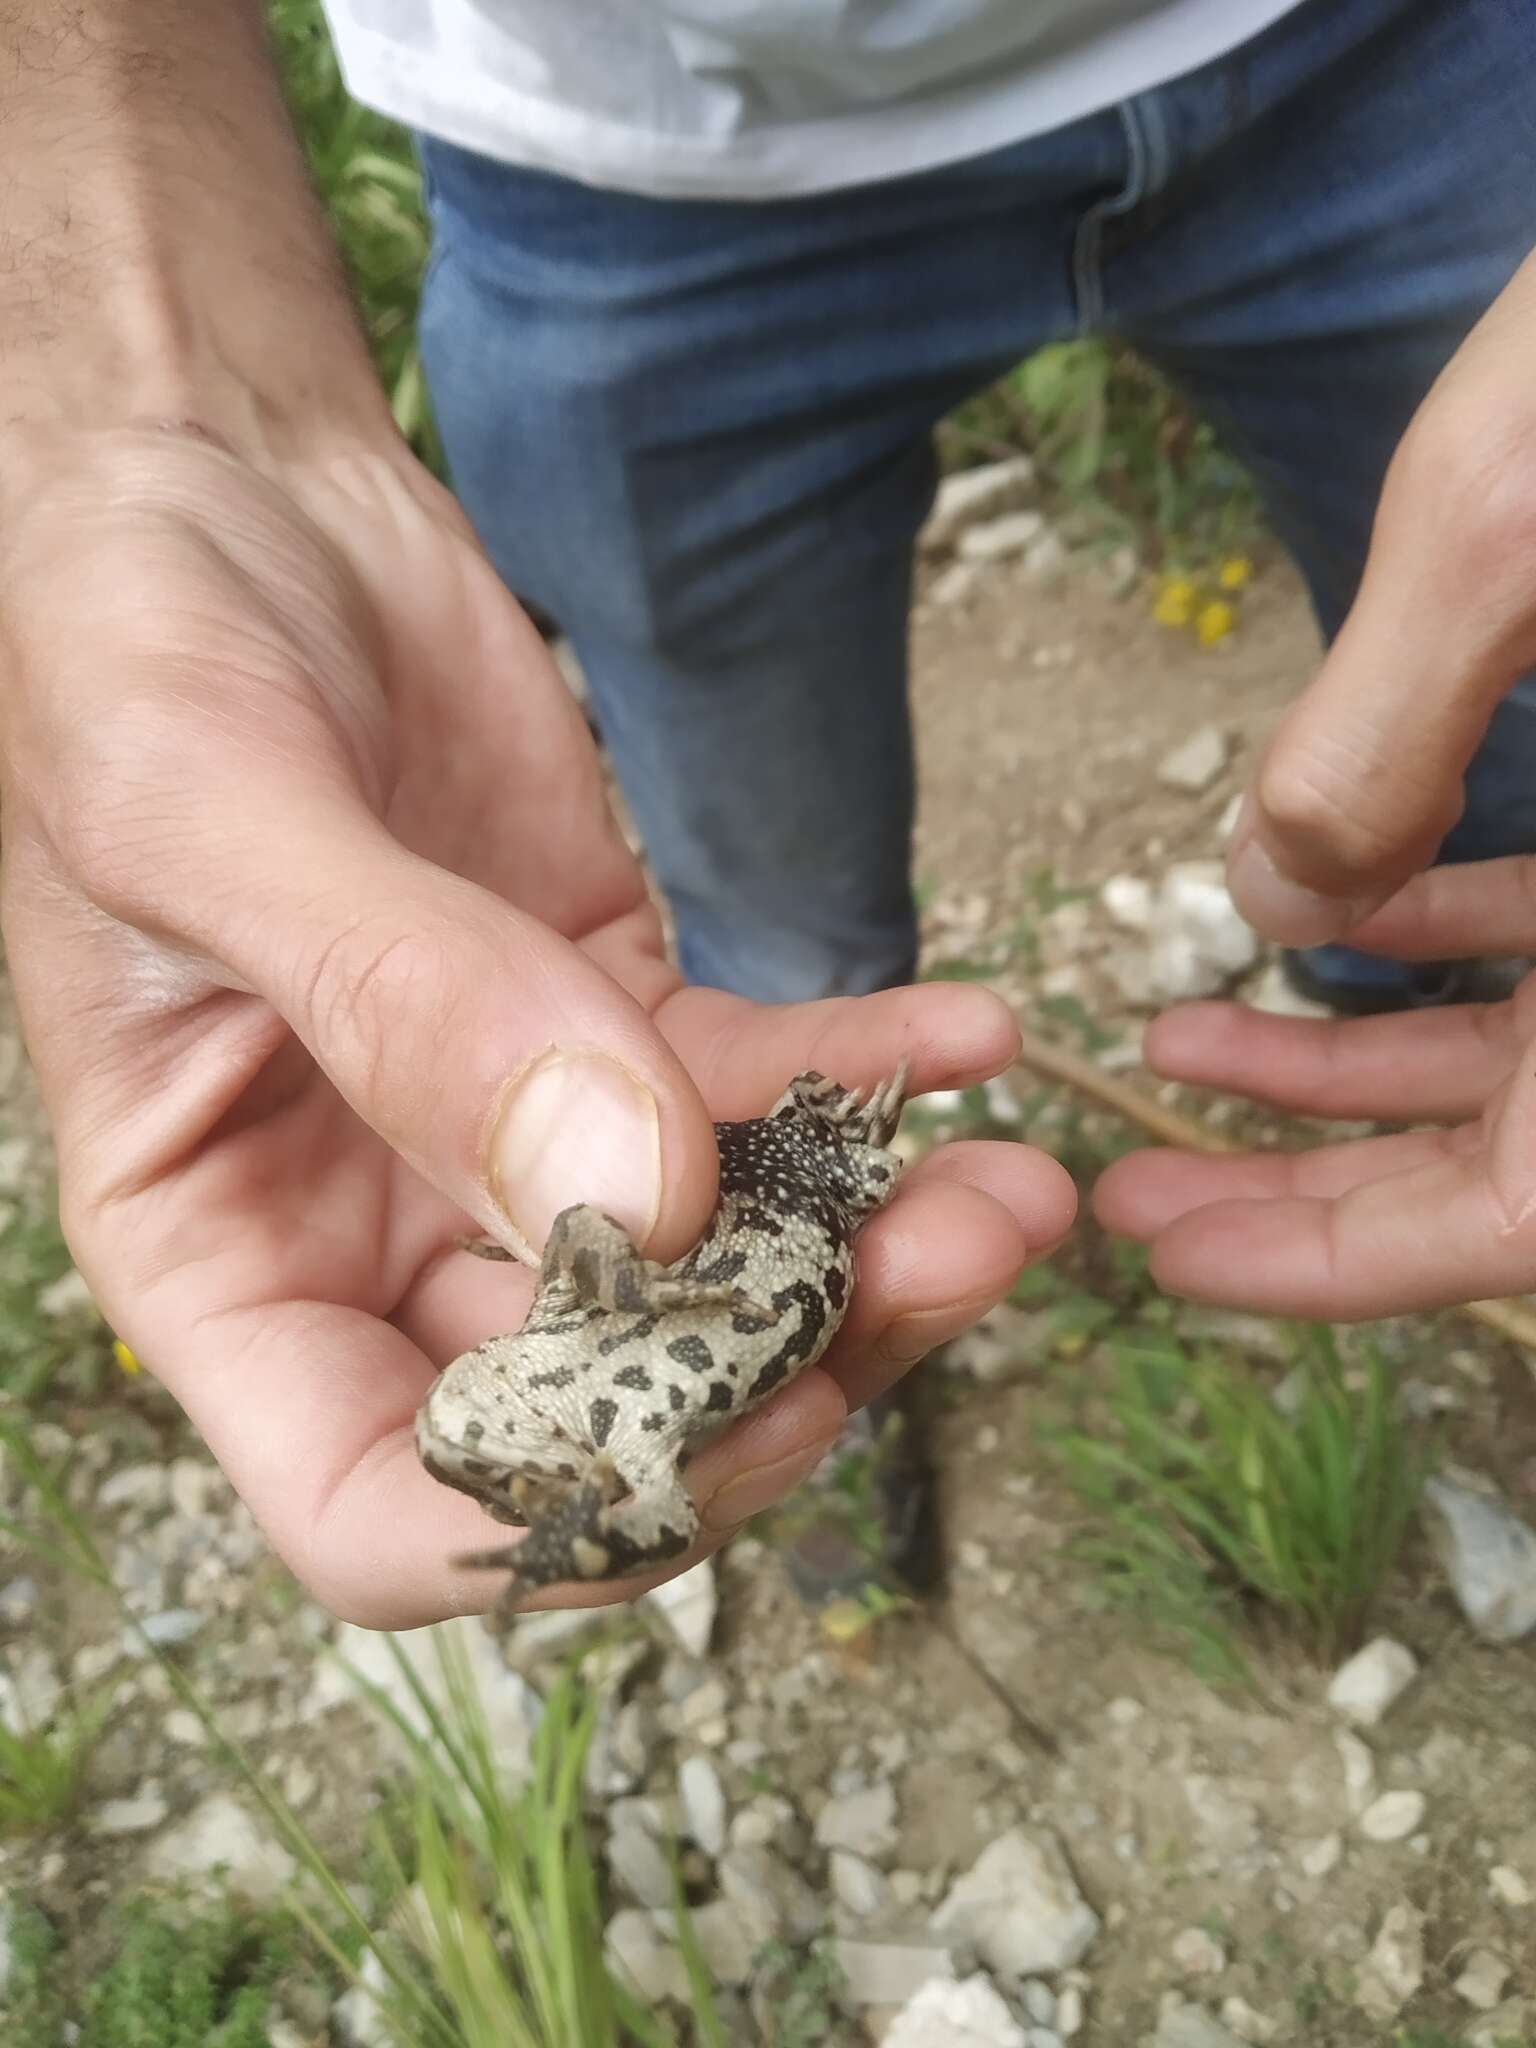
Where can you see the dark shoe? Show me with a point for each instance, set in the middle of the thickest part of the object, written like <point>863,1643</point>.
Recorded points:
<point>868,1520</point>
<point>1356,984</point>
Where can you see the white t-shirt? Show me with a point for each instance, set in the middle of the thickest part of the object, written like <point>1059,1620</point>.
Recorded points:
<point>757,99</point>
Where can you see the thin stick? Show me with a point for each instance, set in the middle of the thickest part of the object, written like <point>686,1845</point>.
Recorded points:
<point>1515,1320</point>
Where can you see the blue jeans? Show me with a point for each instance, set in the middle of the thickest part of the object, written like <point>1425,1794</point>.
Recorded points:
<point>698,433</point>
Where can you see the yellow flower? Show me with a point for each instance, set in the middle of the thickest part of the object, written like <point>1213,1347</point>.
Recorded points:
<point>1214,622</point>
<point>1175,604</point>
<point>125,1358</point>
<point>844,1621</point>
<point>1234,572</point>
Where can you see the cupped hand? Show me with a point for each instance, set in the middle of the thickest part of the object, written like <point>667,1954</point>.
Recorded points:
<point>1351,802</point>
<point>1363,779</point>
<point>328,948</point>
<point>1375,1226</point>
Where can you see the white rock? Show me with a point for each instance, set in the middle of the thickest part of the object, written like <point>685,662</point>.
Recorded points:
<point>1198,939</point>
<point>727,1941</point>
<point>1248,2025</point>
<point>1319,1857</point>
<point>358,2015</point>
<point>509,1703</point>
<point>1393,1817</point>
<point>147,1487</point>
<point>955,584</point>
<point>1019,1907</point>
<point>1509,1886</point>
<point>1488,1555</point>
<point>858,1885</point>
<point>67,1296</point>
<point>1227,1822</point>
<point>217,1835</point>
<point>1191,2026</point>
<point>18,1602</point>
<point>1394,1969</point>
<point>536,1639</point>
<point>1359,1770</point>
<point>1274,995</point>
<point>1514,2020</point>
<point>1128,900</point>
<point>1195,763</point>
<point>1038,2000</point>
<point>1373,1680</point>
<point>1198,1954</point>
<point>30,1690</point>
<point>137,1815</point>
<point>864,1822</point>
<point>642,1957</point>
<point>994,540</point>
<point>197,1486</point>
<point>889,1972</point>
<point>165,1630</point>
<point>971,494</point>
<point>1070,2012</point>
<point>687,1604</point>
<point>1046,556</point>
<point>1482,1980</point>
<point>968,2014</point>
<point>698,1786</point>
<point>770,1896</point>
<point>636,1859</point>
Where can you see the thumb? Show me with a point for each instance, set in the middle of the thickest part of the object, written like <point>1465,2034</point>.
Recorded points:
<point>485,1049</point>
<point>1364,778</point>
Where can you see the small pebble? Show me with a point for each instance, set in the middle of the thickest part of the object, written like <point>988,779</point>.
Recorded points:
<point>1392,1817</point>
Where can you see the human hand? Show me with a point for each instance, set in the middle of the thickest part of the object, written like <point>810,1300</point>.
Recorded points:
<point>1375,1226</point>
<point>1352,800</point>
<point>308,869</point>
<point>1363,779</point>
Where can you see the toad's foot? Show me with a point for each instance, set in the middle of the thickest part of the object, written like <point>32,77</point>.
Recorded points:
<point>590,1537</point>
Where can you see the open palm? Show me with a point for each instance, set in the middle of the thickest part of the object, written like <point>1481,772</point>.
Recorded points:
<point>308,866</point>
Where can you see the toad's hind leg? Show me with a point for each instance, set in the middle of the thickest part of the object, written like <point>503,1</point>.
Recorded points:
<point>592,1259</point>
<point>591,1536</point>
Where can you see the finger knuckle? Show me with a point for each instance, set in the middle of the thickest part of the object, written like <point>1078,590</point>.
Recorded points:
<point>1318,808</point>
<point>364,982</point>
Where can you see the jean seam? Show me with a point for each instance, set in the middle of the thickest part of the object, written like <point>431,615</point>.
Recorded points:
<point>1088,243</point>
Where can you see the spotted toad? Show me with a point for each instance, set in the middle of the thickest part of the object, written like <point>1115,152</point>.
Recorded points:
<point>577,1424</point>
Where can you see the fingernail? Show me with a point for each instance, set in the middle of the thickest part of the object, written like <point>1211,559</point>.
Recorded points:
<point>763,1487</point>
<point>1282,909</point>
<point>910,1338</point>
<point>576,1127</point>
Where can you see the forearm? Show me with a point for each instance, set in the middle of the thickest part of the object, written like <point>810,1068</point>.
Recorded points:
<point>161,253</point>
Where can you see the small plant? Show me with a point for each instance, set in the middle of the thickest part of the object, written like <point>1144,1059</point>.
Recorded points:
<point>42,1770</point>
<point>42,1353</point>
<point>1213,1500</point>
<point>501,1937</point>
<point>802,2011</point>
<point>1123,447</point>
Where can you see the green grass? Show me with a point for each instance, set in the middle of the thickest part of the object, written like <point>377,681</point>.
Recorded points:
<point>175,1976</point>
<point>365,171</point>
<point>488,1924</point>
<point>502,1946</point>
<point>1121,446</point>
<point>42,1770</point>
<point>1213,1507</point>
<point>39,1353</point>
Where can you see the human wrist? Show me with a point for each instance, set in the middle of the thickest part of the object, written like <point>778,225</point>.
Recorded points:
<point>162,259</point>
